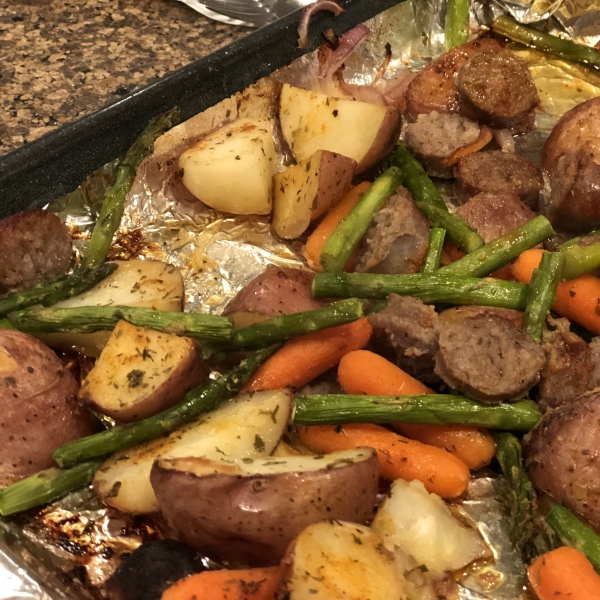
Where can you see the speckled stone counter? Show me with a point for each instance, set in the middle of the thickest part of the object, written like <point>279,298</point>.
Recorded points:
<point>61,59</point>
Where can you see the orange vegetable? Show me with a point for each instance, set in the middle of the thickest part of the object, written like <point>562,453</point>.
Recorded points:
<point>316,241</point>
<point>302,359</point>
<point>485,137</point>
<point>564,574</point>
<point>363,372</point>
<point>578,300</point>
<point>399,458</point>
<point>243,584</point>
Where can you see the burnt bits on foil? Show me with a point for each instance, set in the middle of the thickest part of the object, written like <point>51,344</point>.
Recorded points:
<point>69,549</point>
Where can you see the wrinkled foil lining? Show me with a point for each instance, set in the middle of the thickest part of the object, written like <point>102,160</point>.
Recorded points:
<point>69,549</point>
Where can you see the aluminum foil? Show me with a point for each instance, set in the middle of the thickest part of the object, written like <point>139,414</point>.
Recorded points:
<point>69,549</point>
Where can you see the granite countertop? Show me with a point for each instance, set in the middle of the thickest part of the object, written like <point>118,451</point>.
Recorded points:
<point>62,59</point>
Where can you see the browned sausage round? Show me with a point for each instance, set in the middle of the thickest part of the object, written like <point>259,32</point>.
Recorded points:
<point>498,172</point>
<point>38,406</point>
<point>488,358</point>
<point>35,246</point>
<point>499,89</point>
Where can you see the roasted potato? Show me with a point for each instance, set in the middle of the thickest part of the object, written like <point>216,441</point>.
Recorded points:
<point>232,169</point>
<point>38,406</point>
<point>248,426</point>
<point>250,510</point>
<point>337,560</point>
<point>142,372</point>
<point>145,283</point>
<point>421,524</point>
<point>359,130</point>
<point>306,191</point>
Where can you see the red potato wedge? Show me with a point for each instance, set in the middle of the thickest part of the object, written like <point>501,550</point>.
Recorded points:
<point>306,191</point>
<point>142,372</point>
<point>249,511</point>
<point>38,406</point>
<point>311,122</point>
<point>338,560</point>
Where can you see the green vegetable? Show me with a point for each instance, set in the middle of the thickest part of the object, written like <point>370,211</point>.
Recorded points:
<point>287,326</point>
<point>45,487</point>
<point>87,319</point>
<point>502,250</point>
<point>109,218</point>
<point>580,260</point>
<point>456,28</point>
<point>432,409</point>
<point>196,402</point>
<point>547,43</point>
<point>575,533</point>
<point>6,324</point>
<point>542,292</point>
<point>48,294</point>
<point>521,493</point>
<point>348,233</point>
<point>445,289</point>
<point>434,253</point>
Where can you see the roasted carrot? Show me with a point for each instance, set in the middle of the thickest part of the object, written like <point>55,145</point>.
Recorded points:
<point>578,300</point>
<point>564,574</point>
<point>485,137</point>
<point>400,458</point>
<point>302,359</point>
<point>243,584</point>
<point>316,241</point>
<point>363,372</point>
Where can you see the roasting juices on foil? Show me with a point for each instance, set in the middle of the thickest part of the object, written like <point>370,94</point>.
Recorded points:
<point>70,548</point>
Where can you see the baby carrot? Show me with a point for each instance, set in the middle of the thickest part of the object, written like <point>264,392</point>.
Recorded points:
<point>242,584</point>
<point>564,574</point>
<point>316,241</point>
<point>363,372</point>
<point>400,458</point>
<point>578,300</point>
<point>302,359</point>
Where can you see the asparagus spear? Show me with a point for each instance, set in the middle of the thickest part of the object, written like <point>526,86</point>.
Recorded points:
<point>287,326</point>
<point>111,211</point>
<point>547,43</point>
<point>45,487</point>
<point>432,409</point>
<point>580,259</point>
<point>542,292</point>
<point>196,402</point>
<point>48,294</point>
<point>456,27</point>
<point>87,319</point>
<point>448,289</point>
<point>434,254</point>
<point>347,234</point>
<point>502,250</point>
<point>577,240</point>
<point>6,324</point>
<point>575,533</point>
<point>521,492</point>
<point>429,201</point>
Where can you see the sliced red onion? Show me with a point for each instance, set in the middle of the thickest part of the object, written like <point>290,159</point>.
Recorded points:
<point>505,140</point>
<point>385,64</point>
<point>394,89</point>
<point>309,11</point>
<point>364,93</point>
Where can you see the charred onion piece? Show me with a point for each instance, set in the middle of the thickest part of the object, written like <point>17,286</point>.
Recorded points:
<point>431,409</point>
<point>502,250</point>
<point>196,402</point>
<point>434,254</point>
<point>448,289</point>
<point>308,12</point>
<point>111,211</point>
<point>547,43</point>
<point>542,292</point>
<point>87,319</point>
<point>346,236</point>
<point>48,294</point>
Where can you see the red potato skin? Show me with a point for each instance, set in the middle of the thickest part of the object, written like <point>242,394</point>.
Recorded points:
<point>38,406</point>
<point>253,519</point>
<point>384,142</point>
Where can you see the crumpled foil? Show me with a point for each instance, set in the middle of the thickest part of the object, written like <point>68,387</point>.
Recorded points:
<point>69,549</point>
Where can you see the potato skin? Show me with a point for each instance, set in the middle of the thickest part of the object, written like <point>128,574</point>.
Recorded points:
<point>38,407</point>
<point>253,519</point>
<point>386,139</point>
